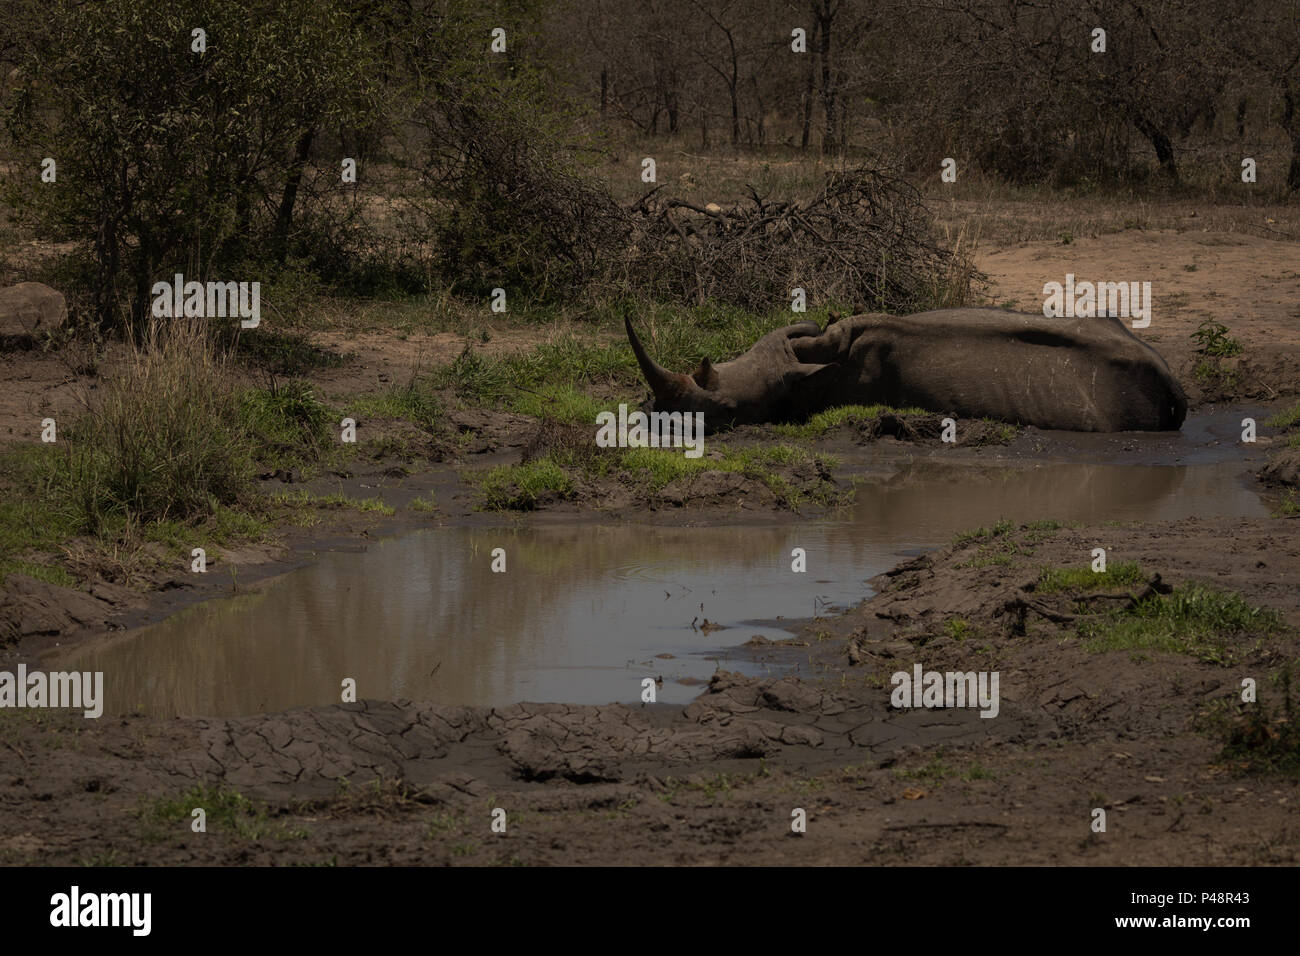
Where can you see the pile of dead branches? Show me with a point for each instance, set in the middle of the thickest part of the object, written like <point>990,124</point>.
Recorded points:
<point>507,204</point>
<point>864,240</point>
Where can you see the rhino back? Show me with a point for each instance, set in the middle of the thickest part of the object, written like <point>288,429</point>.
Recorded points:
<point>1081,374</point>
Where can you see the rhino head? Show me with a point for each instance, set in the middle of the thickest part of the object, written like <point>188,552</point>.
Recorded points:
<point>767,383</point>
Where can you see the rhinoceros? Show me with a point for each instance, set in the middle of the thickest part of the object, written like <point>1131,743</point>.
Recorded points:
<point>1081,374</point>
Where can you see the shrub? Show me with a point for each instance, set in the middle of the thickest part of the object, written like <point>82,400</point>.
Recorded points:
<point>164,442</point>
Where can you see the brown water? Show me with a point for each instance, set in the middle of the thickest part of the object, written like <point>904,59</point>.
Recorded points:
<point>584,610</point>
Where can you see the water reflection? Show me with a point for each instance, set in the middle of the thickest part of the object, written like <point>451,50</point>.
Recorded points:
<point>583,610</point>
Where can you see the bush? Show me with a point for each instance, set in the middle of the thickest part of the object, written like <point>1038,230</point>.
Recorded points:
<point>864,238</point>
<point>170,157</point>
<point>285,418</point>
<point>514,208</point>
<point>164,443</point>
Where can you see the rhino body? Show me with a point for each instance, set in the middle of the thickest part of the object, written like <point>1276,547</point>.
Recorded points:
<point>1081,374</point>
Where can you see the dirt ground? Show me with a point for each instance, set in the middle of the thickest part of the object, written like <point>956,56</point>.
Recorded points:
<point>1138,736</point>
<point>716,782</point>
<point>1250,284</point>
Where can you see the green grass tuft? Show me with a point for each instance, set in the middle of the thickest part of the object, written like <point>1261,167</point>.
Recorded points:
<point>1287,419</point>
<point>966,538</point>
<point>823,422</point>
<point>518,487</point>
<point>224,808</point>
<point>1195,620</point>
<point>413,402</point>
<point>1121,574</point>
<point>301,498</point>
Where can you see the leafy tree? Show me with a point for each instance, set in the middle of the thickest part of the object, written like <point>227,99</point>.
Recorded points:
<point>174,159</point>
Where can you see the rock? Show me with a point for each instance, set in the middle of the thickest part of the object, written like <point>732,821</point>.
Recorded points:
<point>805,736</point>
<point>758,640</point>
<point>794,696</point>
<point>29,607</point>
<point>857,649</point>
<point>1283,469</point>
<point>30,308</point>
<point>896,649</point>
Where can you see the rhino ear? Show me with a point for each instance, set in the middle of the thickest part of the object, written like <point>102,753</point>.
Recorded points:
<point>706,376</point>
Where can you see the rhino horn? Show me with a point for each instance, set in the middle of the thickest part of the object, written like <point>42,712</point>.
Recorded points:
<point>665,384</point>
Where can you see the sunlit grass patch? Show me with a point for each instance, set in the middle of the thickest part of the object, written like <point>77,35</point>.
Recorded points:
<point>301,498</point>
<point>424,505</point>
<point>288,424</point>
<point>1196,620</point>
<point>1288,506</point>
<point>571,364</point>
<point>665,466</point>
<point>511,381</point>
<point>965,538</point>
<point>1286,419</point>
<point>1119,574</point>
<point>823,422</point>
<point>413,402</point>
<point>223,808</point>
<point>566,403</point>
<point>224,526</point>
<point>563,468</point>
<point>958,628</point>
<point>518,487</point>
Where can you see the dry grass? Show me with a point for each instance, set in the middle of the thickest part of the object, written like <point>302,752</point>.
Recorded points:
<point>163,441</point>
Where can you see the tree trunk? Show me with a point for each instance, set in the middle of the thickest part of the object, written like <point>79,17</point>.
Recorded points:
<point>1162,144</point>
<point>735,115</point>
<point>810,83</point>
<point>284,216</point>
<point>1293,131</point>
<point>704,119</point>
<point>830,137</point>
<point>733,88</point>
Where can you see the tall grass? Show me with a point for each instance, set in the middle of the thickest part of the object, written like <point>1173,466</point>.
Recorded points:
<point>285,419</point>
<point>165,441</point>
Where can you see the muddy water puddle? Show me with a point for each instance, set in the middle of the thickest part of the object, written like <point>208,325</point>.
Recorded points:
<point>585,611</point>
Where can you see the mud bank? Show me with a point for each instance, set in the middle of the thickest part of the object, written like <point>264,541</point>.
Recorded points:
<point>1143,734</point>
<point>36,615</point>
